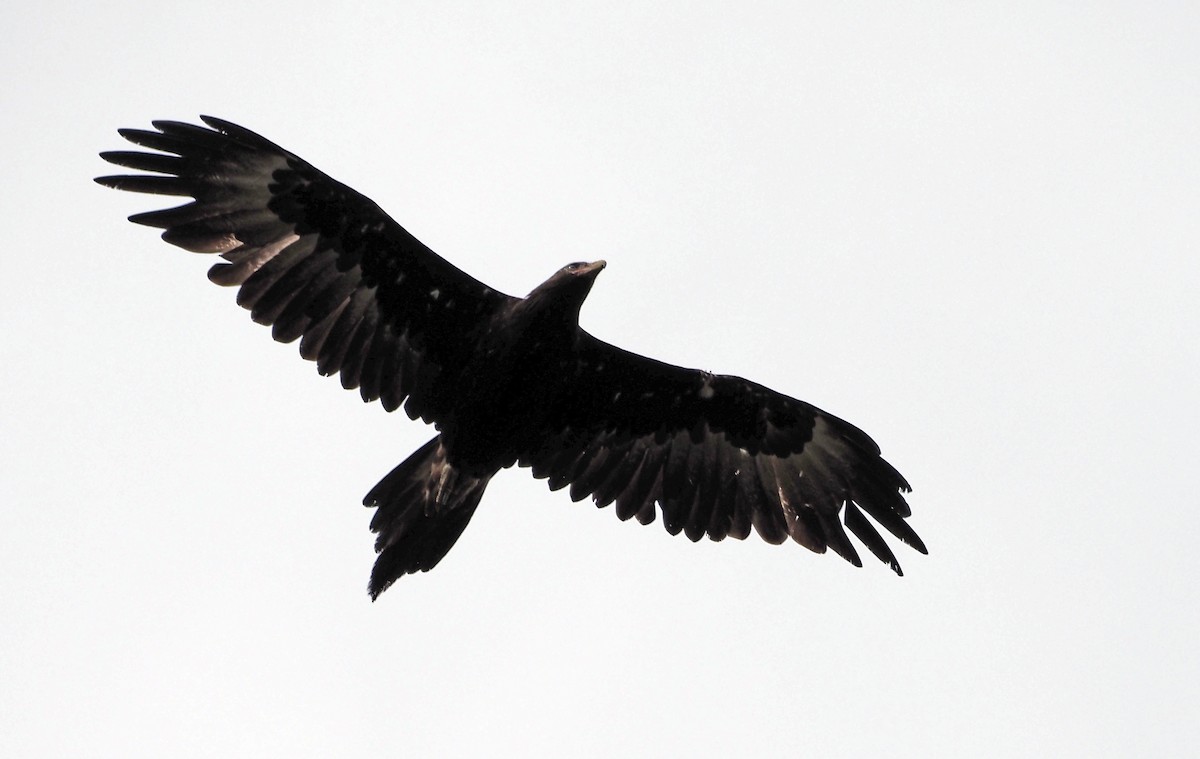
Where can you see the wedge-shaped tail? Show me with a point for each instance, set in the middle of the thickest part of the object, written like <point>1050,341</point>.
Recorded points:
<point>423,506</point>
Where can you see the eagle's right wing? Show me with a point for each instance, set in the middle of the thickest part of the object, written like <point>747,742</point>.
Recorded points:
<point>313,258</point>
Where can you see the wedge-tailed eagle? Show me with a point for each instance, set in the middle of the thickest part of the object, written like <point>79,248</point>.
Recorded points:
<point>504,380</point>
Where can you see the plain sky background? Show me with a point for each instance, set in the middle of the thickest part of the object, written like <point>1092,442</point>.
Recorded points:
<point>969,229</point>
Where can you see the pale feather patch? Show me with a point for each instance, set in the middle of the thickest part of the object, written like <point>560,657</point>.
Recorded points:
<point>245,261</point>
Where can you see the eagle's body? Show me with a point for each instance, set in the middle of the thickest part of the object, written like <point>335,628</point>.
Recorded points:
<point>516,371</point>
<point>505,380</point>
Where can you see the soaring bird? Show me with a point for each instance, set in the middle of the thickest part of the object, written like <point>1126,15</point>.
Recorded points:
<point>504,380</point>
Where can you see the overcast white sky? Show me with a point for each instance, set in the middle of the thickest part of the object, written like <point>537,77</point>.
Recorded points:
<point>969,230</point>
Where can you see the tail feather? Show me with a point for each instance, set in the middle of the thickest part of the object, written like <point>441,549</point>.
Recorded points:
<point>423,506</point>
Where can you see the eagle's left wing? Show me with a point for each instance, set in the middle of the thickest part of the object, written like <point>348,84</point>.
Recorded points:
<point>718,454</point>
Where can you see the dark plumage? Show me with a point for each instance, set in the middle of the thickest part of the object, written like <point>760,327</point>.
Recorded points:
<point>504,380</point>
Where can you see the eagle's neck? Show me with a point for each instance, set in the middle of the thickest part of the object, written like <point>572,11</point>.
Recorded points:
<point>552,309</point>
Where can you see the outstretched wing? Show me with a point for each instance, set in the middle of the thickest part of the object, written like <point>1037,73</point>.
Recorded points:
<point>718,454</point>
<point>313,258</point>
